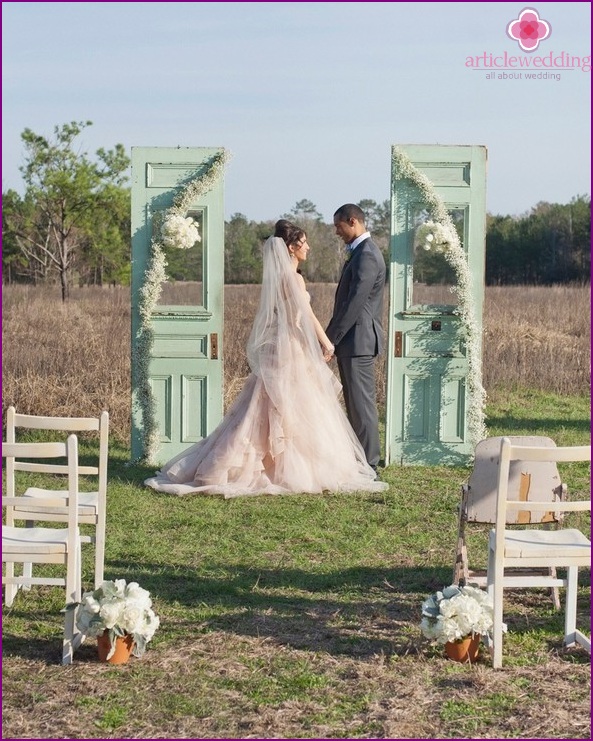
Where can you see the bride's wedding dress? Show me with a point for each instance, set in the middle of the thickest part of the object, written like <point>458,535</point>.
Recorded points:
<point>286,432</point>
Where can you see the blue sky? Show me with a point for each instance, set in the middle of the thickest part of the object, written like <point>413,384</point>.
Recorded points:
<point>308,97</point>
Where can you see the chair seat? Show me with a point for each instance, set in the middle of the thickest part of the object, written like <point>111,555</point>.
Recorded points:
<point>88,502</point>
<point>34,540</point>
<point>545,544</point>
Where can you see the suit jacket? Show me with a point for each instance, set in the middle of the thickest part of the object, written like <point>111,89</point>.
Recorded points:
<point>355,327</point>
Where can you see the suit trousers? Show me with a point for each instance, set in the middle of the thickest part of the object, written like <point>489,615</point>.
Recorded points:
<point>358,381</point>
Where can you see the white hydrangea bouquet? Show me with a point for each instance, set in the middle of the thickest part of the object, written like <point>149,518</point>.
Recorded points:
<point>120,609</point>
<point>456,613</point>
<point>179,231</point>
<point>433,237</point>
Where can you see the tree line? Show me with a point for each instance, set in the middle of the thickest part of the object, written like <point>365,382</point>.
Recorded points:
<point>72,226</point>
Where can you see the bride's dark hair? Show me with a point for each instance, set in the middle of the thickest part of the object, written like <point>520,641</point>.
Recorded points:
<point>288,231</point>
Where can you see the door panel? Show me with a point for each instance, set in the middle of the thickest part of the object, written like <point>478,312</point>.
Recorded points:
<point>185,368</point>
<point>427,359</point>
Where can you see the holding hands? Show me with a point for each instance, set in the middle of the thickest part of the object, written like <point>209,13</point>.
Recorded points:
<point>328,352</point>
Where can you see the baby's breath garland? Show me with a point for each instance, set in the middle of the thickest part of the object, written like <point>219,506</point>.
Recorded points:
<point>176,229</point>
<point>440,235</point>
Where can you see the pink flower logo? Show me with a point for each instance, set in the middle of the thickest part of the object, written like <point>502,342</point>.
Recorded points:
<point>529,29</point>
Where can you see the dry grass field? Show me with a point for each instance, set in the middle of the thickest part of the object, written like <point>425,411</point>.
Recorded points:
<point>294,617</point>
<point>75,358</point>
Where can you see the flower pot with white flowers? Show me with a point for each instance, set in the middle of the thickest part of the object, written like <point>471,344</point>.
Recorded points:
<point>459,618</point>
<point>121,617</point>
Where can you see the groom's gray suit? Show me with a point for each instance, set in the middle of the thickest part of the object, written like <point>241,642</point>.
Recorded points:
<point>357,333</point>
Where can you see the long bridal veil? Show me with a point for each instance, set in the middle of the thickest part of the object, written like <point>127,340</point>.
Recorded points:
<point>286,431</point>
<point>283,335</point>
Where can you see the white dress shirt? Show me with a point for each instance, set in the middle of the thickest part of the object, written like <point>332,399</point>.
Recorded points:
<point>353,245</point>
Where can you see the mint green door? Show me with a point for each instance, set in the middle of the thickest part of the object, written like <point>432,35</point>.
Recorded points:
<point>427,364</point>
<point>185,363</point>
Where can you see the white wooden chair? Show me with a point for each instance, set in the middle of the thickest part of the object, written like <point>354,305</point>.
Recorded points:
<point>92,504</point>
<point>561,548</point>
<point>527,479</point>
<point>41,545</point>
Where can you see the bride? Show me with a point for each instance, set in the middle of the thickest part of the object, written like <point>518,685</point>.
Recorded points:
<point>286,432</point>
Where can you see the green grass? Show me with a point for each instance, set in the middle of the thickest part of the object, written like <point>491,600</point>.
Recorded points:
<point>298,616</point>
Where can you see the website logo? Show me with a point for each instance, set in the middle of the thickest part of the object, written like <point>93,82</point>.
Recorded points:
<point>529,29</point>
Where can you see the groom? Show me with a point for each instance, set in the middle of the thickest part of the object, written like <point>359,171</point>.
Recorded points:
<point>355,327</point>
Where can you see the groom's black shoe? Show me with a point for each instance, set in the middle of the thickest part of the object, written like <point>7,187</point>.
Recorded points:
<point>378,468</point>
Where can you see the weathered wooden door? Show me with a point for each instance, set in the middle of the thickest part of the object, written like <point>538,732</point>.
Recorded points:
<point>185,366</point>
<point>426,420</point>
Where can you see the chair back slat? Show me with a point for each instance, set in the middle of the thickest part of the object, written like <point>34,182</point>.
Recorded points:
<point>580,505</point>
<point>48,505</point>
<point>565,454</point>
<point>57,468</point>
<point>38,422</point>
<point>34,450</point>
